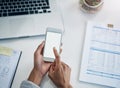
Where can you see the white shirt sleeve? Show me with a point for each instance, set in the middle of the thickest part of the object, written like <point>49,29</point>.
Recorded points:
<point>28,84</point>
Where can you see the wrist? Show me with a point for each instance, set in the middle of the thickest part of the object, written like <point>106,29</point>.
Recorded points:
<point>35,77</point>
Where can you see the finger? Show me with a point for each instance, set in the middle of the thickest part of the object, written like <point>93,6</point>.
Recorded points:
<point>51,70</point>
<point>60,50</point>
<point>40,47</point>
<point>57,57</point>
<point>50,75</point>
<point>42,50</point>
<point>65,66</point>
<point>47,65</point>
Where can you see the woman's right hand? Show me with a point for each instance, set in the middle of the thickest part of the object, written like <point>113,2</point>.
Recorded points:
<point>59,72</point>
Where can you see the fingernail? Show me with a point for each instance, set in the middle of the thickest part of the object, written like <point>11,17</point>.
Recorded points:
<point>43,42</point>
<point>54,48</point>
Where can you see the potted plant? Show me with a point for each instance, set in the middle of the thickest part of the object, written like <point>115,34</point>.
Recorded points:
<point>93,2</point>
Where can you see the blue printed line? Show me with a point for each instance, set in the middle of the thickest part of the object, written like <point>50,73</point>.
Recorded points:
<point>116,75</point>
<point>105,28</point>
<point>103,73</point>
<point>103,50</point>
<point>105,43</point>
<point>94,71</point>
<point>116,30</point>
<point>93,74</point>
<point>103,76</point>
<point>100,27</point>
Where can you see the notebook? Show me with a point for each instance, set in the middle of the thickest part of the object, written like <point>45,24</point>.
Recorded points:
<point>9,60</point>
<point>101,55</point>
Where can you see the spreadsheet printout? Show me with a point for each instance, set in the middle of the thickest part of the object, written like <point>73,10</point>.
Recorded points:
<point>101,55</point>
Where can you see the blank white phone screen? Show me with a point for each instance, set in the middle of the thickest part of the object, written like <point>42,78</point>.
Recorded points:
<point>52,40</point>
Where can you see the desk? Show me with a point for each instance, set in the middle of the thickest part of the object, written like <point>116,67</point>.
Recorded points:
<point>74,21</point>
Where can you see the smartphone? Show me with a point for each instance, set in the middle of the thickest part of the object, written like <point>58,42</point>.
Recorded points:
<point>53,39</point>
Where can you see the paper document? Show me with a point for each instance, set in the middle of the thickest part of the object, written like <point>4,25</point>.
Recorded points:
<point>101,55</point>
<point>8,63</point>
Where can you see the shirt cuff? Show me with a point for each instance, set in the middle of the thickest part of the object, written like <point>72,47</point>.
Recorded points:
<point>28,84</point>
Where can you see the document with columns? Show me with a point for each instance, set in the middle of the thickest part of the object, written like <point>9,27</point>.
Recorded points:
<point>101,55</point>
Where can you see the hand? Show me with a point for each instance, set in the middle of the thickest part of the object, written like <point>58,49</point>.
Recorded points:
<point>40,67</point>
<point>59,72</point>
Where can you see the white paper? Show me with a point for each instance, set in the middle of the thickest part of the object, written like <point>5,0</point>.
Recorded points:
<point>7,68</point>
<point>101,55</point>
